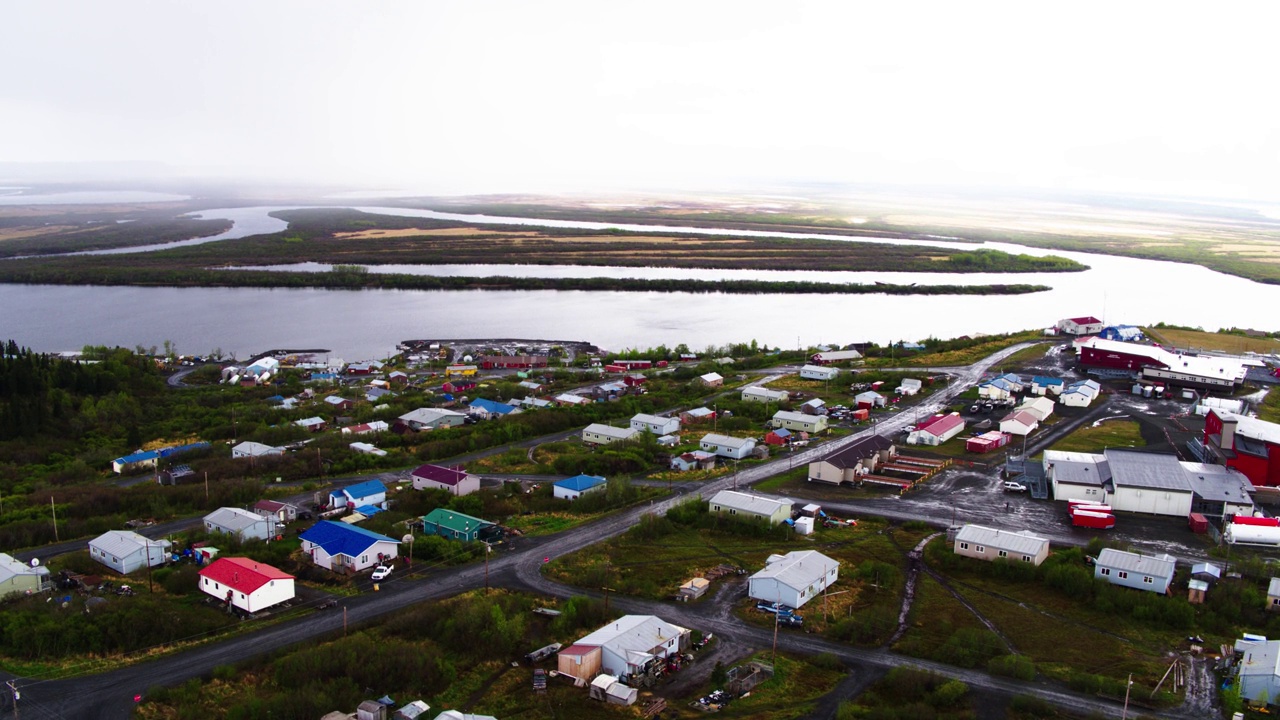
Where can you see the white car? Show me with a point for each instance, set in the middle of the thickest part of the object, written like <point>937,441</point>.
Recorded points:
<point>382,572</point>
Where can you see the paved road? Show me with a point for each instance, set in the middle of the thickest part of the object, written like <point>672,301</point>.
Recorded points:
<point>109,695</point>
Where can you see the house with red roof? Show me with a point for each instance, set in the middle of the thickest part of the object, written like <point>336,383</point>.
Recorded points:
<point>437,477</point>
<point>936,430</point>
<point>246,584</point>
<point>1085,325</point>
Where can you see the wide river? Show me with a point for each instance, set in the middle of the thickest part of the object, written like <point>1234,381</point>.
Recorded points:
<point>368,323</point>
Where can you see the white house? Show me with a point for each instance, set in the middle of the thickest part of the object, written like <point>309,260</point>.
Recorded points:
<point>432,418</point>
<point>800,421</point>
<point>986,543</point>
<point>819,372</point>
<point>835,356</point>
<point>1040,407</point>
<point>1042,385</point>
<point>996,389</point>
<point>455,480</point>
<point>577,486</point>
<point>936,430</point>
<point>869,399</point>
<point>1080,394</point>
<point>655,424</point>
<point>1141,572</point>
<point>794,579</point>
<point>712,379</point>
<point>1018,422</point>
<point>365,448</point>
<point>755,393</point>
<point>370,492</point>
<point>240,523</point>
<point>248,448</point>
<point>342,547</point>
<point>125,551</point>
<point>599,434</point>
<point>743,505</point>
<point>1273,595</point>
<point>853,461</point>
<point>909,386</point>
<point>571,399</point>
<point>1085,325</point>
<point>1259,669</point>
<point>246,584</point>
<point>726,446</point>
<point>626,646</point>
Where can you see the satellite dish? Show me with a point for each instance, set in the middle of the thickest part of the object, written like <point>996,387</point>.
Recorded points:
<point>35,562</point>
<point>407,538</point>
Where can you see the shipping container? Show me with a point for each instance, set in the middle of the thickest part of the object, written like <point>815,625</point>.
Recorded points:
<point>1098,521</point>
<point>1198,523</point>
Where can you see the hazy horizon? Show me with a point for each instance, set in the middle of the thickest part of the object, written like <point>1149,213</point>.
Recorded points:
<point>569,97</point>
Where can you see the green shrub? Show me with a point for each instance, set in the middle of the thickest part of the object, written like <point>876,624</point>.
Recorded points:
<point>1014,666</point>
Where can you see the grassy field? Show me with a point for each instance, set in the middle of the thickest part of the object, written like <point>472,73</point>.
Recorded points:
<point>1223,342</point>
<point>953,358</point>
<point>1110,434</point>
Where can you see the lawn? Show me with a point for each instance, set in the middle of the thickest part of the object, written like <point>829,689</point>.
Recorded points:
<point>1200,340</point>
<point>1099,437</point>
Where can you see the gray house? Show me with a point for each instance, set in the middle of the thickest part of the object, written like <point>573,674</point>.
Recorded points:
<point>241,523</point>
<point>1259,669</point>
<point>1141,572</point>
<point>125,551</point>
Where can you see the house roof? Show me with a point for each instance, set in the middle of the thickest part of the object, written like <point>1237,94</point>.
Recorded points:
<point>122,543</point>
<point>309,422</point>
<point>868,396</point>
<point>1161,566</point>
<point>780,432</point>
<point>701,412</point>
<point>426,416</point>
<point>249,447</point>
<point>650,419</point>
<point>1253,428</point>
<point>1021,416</point>
<point>1077,468</point>
<point>632,634</point>
<point>610,431</point>
<point>335,400</point>
<point>493,406</point>
<point>270,505</point>
<point>796,417</point>
<point>342,539</point>
<point>821,369</point>
<point>1218,484</point>
<point>11,568</point>
<point>1259,658</point>
<point>233,519</point>
<point>858,451</point>
<point>798,569</point>
<point>138,457</point>
<point>365,489</point>
<point>942,425</point>
<point>1274,588</point>
<point>1040,404</point>
<point>1086,320</point>
<point>1020,542</point>
<point>571,399</point>
<point>242,574</point>
<point>1046,381</point>
<point>711,377</point>
<point>727,440</point>
<point>1206,569</point>
<point>580,483</point>
<point>757,391</point>
<point>454,520</point>
<point>1147,470</point>
<point>753,504</point>
<point>440,474</point>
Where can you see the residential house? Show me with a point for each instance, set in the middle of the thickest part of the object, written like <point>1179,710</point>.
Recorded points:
<point>599,434</point>
<point>365,448</point>
<point>530,385</point>
<point>314,424</point>
<point>137,461</point>
<point>801,422</point>
<point>1019,422</point>
<point>631,646</point>
<point>634,380</point>
<point>697,415</point>
<point>460,371</point>
<point>240,523</point>
<point>455,525</point>
<point>364,368</point>
<point>987,441</point>
<point>814,406</point>
<point>712,379</point>
<point>909,386</point>
<point>1039,407</point>
<point>342,547</point>
<point>1084,325</point>
<point>457,386</point>
<point>743,505</point>
<point>518,362</point>
<point>655,424</point>
<point>375,426</point>
<point>755,393</point>
<point>819,372</point>
<point>398,377</point>
<point>251,449</point>
<point>1141,572</point>
<point>936,430</point>
<point>869,400</point>
<point>246,584</point>
<point>1258,669</point>
<point>727,446</point>
<point>416,710</point>
<point>778,437</point>
<point>1041,385</point>
<point>571,399</point>
<point>432,418</point>
<point>535,403</point>
<point>1273,595</point>
<point>371,492</point>
<point>996,389</point>
<point>834,356</point>
<point>19,578</point>
<point>1080,394</point>
<point>489,409</point>
<point>453,480</point>
<point>125,551</point>
<point>376,394</point>
<point>696,460</point>
<point>986,543</point>
<point>577,486</point>
<point>861,457</point>
<point>336,403</point>
<point>282,512</point>
<point>793,579</point>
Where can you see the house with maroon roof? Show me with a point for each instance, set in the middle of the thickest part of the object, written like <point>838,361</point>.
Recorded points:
<point>282,512</point>
<point>936,430</point>
<point>246,584</point>
<point>1085,325</point>
<point>437,477</point>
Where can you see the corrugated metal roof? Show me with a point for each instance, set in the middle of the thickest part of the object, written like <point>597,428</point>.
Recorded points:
<point>858,451</point>
<point>632,633</point>
<point>1161,566</point>
<point>454,520</point>
<point>798,570</point>
<point>1020,542</point>
<point>242,574</point>
<point>747,503</point>
<point>440,474</point>
<point>727,440</point>
<point>1147,470</point>
<point>122,543</point>
<point>342,539</point>
<point>1274,588</point>
<point>233,519</point>
<point>580,483</point>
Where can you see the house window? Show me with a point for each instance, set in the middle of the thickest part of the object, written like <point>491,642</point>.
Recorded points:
<point>1106,571</point>
<point>1123,575</point>
<point>364,559</point>
<point>1004,553</point>
<point>980,549</point>
<point>964,546</point>
<point>1147,580</point>
<point>1026,558</point>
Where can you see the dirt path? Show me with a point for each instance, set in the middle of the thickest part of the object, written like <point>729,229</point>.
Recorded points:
<point>914,564</point>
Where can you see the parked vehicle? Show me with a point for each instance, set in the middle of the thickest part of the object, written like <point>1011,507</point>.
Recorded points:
<point>1011,486</point>
<point>382,572</point>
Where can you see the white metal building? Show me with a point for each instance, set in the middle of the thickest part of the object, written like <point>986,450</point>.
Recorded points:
<point>755,393</point>
<point>794,579</point>
<point>800,421</point>
<point>1148,483</point>
<point>986,543</point>
<point>727,446</point>
<point>739,504</point>
<point>240,523</point>
<point>655,424</point>
<point>125,551</point>
<point>819,372</point>
<point>600,434</point>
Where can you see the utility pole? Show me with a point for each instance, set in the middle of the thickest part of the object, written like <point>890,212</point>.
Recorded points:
<point>206,484</point>
<point>54,508</point>
<point>344,621</point>
<point>1125,713</point>
<point>487,549</point>
<point>13,687</point>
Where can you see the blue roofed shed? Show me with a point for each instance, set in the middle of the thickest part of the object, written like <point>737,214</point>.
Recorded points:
<point>577,486</point>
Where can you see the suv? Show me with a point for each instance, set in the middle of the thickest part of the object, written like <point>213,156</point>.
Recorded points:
<point>1011,486</point>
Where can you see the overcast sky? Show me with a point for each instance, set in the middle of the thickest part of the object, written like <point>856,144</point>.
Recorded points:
<point>546,95</point>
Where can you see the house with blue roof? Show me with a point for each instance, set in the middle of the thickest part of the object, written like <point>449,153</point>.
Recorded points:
<point>997,389</point>
<point>372,492</point>
<point>489,409</point>
<point>577,486</point>
<point>136,461</point>
<point>1041,385</point>
<point>1122,333</point>
<point>346,548</point>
